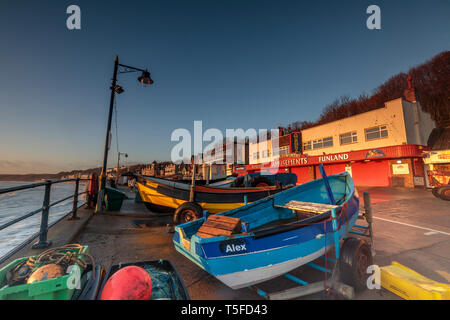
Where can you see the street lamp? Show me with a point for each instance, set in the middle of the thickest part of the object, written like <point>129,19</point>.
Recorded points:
<point>145,80</point>
<point>118,166</point>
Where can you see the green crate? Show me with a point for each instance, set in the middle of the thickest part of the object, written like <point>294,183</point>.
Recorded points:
<point>52,289</point>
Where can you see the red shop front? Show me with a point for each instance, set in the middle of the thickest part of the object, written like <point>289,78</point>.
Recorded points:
<point>387,166</point>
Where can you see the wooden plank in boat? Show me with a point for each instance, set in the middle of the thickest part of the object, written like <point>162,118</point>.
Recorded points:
<point>219,226</point>
<point>222,218</point>
<point>236,227</point>
<point>215,231</point>
<point>308,206</point>
<point>204,235</point>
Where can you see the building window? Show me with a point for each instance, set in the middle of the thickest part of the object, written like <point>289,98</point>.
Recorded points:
<point>265,153</point>
<point>307,145</point>
<point>322,143</point>
<point>349,137</point>
<point>283,150</point>
<point>376,133</point>
<point>255,155</point>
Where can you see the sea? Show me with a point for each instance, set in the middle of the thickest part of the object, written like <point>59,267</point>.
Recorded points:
<point>19,203</point>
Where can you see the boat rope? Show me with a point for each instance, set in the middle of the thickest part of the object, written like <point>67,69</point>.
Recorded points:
<point>65,256</point>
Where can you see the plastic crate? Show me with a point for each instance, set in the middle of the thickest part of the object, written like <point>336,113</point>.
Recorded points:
<point>165,267</point>
<point>58,288</point>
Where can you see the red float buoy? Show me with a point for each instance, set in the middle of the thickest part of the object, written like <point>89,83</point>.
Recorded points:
<point>129,283</point>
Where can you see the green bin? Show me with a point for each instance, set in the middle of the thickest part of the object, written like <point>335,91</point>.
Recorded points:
<point>59,288</point>
<point>114,198</point>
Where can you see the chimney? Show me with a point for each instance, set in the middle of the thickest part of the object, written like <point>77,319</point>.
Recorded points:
<point>410,93</point>
<point>280,131</point>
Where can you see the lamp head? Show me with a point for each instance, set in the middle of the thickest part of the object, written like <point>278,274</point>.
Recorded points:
<point>145,78</point>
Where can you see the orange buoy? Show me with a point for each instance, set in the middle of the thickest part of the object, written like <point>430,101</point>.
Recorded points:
<point>129,283</point>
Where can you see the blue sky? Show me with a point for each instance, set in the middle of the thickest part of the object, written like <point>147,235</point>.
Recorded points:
<point>232,64</point>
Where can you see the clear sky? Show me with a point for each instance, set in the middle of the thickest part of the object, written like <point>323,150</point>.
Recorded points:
<point>232,64</point>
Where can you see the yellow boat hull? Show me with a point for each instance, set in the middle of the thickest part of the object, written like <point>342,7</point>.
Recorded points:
<point>150,194</point>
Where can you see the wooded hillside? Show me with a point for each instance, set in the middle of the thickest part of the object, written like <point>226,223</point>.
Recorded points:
<point>431,81</point>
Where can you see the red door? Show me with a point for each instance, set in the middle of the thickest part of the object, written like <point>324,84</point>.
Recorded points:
<point>371,173</point>
<point>302,174</point>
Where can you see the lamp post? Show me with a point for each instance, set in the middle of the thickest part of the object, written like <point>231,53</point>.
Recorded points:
<point>145,80</point>
<point>118,165</point>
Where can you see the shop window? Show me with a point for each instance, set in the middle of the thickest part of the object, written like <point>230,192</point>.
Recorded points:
<point>349,137</point>
<point>376,133</point>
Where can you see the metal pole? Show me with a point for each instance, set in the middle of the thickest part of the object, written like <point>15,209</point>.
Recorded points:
<point>43,243</point>
<point>101,192</point>
<point>117,172</point>
<point>368,216</point>
<point>75,201</point>
<point>192,191</point>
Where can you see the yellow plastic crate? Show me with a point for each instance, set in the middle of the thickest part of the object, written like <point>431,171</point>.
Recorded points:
<point>411,285</point>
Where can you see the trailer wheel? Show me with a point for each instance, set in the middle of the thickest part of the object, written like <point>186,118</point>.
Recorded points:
<point>260,181</point>
<point>356,256</point>
<point>444,193</point>
<point>188,211</point>
<point>436,192</point>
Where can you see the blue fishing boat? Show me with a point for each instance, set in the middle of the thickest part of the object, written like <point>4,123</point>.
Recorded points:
<point>273,235</point>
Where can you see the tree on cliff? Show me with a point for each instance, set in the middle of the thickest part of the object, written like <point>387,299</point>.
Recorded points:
<point>431,81</point>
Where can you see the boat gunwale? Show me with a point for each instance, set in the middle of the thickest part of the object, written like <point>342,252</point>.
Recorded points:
<point>200,221</point>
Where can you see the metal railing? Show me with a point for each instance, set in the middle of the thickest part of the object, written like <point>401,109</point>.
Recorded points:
<point>46,205</point>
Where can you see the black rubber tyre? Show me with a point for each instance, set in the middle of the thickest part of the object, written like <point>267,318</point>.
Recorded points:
<point>260,181</point>
<point>444,193</point>
<point>436,192</point>
<point>356,256</point>
<point>188,211</point>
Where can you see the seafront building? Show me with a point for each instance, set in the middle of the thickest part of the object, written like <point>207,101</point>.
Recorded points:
<point>382,147</point>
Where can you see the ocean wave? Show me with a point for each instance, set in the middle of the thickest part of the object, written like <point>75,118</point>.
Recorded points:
<point>19,203</point>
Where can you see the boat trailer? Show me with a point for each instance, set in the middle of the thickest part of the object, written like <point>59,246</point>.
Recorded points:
<point>335,281</point>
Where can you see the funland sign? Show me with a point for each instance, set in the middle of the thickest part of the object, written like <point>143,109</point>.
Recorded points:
<point>291,160</point>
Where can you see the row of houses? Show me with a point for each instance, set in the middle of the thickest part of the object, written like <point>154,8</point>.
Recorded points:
<point>184,171</point>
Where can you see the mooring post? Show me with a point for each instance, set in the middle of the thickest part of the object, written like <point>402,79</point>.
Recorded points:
<point>75,201</point>
<point>43,242</point>
<point>368,216</point>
